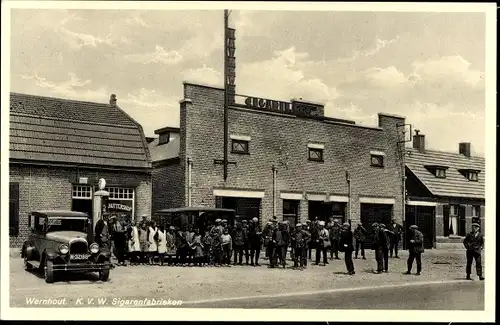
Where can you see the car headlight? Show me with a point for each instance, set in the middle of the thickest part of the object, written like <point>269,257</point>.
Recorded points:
<point>94,248</point>
<point>63,249</point>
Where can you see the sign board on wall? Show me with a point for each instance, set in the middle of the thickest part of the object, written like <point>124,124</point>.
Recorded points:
<point>231,65</point>
<point>296,108</point>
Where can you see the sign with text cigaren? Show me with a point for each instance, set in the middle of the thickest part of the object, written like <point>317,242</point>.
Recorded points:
<point>231,65</point>
<point>296,108</point>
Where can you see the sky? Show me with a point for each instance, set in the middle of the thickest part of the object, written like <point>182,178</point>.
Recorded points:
<point>428,67</point>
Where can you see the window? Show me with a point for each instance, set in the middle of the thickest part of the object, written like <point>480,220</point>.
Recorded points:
<point>13,209</point>
<point>239,146</point>
<point>316,154</point>
<point>453,224</point>
<point>164,138</point>
<point>291,211</point>
<point>377,160</point>
<point>473,176</point>
<point>476,211</point>
<point>440,172</point>
<point>120,193</point>
<point>82,192</point>
<point>121,202</point>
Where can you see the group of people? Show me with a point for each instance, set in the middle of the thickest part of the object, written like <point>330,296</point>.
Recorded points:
<point>146,242</point>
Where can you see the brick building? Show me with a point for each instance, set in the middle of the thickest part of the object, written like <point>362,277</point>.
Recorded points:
<point>286,159</point>
<point>445,192</point>
<point>60,148</point>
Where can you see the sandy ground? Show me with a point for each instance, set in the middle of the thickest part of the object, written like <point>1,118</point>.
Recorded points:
<point>191,284</point>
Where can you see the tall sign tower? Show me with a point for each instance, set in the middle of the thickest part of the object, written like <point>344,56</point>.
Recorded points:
<point>229,80</point>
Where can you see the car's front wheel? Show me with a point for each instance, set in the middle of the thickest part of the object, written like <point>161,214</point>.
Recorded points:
<point>49,271</point>
<point>104,273</point>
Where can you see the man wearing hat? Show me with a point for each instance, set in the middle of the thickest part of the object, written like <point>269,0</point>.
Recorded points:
<point>335,233</point>
<point>307,227</point>
<point>301,239</point>
<point>255,241</point>
<point>387,235</point>
<point>474,244</point>
<point>396,230</point>
<point>218,226</point>
<point>360,237</point>
<point>377,246</point>
<point>314,230</point>
<point>345,245</point>
<point>268,236</point>
<point>280,241</point>
<point>323,243</point>
<point>415,249</point>
<point>246,245</point>
<point>238,237</point>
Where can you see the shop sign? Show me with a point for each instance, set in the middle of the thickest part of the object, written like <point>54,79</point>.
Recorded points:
<point>119,207</point>
<point>295,108</point>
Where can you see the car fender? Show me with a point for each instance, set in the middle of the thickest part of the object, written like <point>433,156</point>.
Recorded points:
<point>28,250</point>
<point>104,255</point>
<point>51,254</point>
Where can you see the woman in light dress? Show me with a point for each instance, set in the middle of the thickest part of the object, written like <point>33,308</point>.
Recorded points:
<point>134,245</point>
<point>152,244</point>
<point>162,243</point>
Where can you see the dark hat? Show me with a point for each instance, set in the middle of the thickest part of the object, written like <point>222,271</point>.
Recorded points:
<point>476,225</point>
<point>413,227</point>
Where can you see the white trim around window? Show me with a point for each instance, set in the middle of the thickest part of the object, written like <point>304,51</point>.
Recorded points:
<point>377,200</point>
<point>240,137</point>
<point>338,198</point>
<point>377,153</point>
<point>421,203</point>
<point>316,146</point>
<point>239,193</point>
<point>291,196</point>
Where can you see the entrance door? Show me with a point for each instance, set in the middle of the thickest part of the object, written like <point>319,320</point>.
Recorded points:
<point>320,209</point>
<point>370,213</point>
<point>424,218</point>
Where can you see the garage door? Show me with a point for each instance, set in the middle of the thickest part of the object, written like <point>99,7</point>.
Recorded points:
<point>424,218</point>
<point>246,208</point>
<point>370,213</point>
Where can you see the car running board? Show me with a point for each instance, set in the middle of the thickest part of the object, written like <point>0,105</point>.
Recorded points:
<point>34,264</point>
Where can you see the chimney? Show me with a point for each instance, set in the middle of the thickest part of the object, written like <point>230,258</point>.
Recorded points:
<point>112,100</point>
<point>419,141</point>
<point>464,149</point>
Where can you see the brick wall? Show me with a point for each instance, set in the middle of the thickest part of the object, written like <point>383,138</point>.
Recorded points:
<point>347,147</point>
<point>168,187</point>
<point>50,188</point>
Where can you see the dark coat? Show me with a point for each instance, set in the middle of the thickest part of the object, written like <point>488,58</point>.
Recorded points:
<point>284,240</point>
<point>301,238</point>
<point>102,232</point>
<point>360,234</point>
<point>380,240</point>
<point>474,243</point>
<point>396,229</point>
<point>346,241</point>
<point>418,242</point>
<point>254,235</point>
<point>238,236</point>
<point>335,232</point>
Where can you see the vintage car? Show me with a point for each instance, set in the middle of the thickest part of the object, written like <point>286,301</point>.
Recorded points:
<point>62,241</point>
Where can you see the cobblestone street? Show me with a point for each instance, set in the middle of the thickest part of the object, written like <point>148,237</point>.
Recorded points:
<point>195,284</point>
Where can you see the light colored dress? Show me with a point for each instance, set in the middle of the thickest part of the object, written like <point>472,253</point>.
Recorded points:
<point>134,244</point>
<point>197,246</point>
<point>162,242</point>
<point>170,239</point>
<point>151,240</point>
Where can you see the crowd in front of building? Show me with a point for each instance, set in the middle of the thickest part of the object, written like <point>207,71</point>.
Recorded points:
<point>149,243</point>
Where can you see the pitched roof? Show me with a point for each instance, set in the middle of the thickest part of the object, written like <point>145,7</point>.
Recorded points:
<point>455,184</point>
<point>164,151</point>
<point>75,132</point>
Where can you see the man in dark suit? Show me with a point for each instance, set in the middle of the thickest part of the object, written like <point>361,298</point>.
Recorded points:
<point>396,230</point>
<point>102,231</point>
<point>380,246</point>
<point>474,243</point>
<point>360,236</point>
<point>386,240</point>
<point>415,249</point>
<point>345,245</point>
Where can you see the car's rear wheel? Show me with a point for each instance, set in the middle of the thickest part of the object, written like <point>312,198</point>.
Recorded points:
<point>49,271</point>
<point>104,273</point>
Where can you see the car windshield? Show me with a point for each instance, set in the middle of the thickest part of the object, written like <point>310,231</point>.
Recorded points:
<point>55,224</point>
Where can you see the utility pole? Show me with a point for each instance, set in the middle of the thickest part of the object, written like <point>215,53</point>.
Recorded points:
<point>226,23</point>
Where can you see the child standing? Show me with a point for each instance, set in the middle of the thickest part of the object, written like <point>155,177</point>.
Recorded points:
<point>226,247</point>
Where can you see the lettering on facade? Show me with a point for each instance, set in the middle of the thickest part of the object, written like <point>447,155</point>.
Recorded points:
<point>294,108</point>
<point>230,66</point>
<point>120,207</point>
